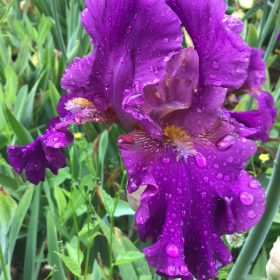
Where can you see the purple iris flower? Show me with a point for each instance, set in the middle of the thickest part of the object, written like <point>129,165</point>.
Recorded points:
<point>184,150</point>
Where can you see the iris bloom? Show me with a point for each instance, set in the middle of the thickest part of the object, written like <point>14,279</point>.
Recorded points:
<point>183,149</point>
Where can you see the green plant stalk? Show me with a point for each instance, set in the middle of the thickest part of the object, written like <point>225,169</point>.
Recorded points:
<point>268,23</point>
<point>112,223</point>
<point>3,264</point>
<point>273,38</point>
<point>257,235</point>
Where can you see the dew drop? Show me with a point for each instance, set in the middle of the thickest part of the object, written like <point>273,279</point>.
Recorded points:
<point>212,76</point>
<point>226,142</point>
<point>203,194</point>
<point>172,250</point>
<point>171,270</point>
<point>230,159</point>
<point>251,214</point>
<point>254,184</point>
<point>205,179</point>
<point>215,64</point>
<point>216,166</point>
<point>184,269</point>
<point>165,160</point>
<point>219,176</point>
<point>246,198</point>
<point>200,160</point>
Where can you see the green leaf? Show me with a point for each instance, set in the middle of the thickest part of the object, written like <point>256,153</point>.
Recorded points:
<point>22,134</point>
<point>108,202</point>
<point>54,96</point>
<point>102,149</point>
<point>128,257</point>
<point>259,268</point>
<point>96,272</point>
<point>71,264</point>
<point>53,258</point>
<point>123,209</point>
<point>252,35</point>
<point>20,213</point>
<point>31,243</point>
<point>74,251</point>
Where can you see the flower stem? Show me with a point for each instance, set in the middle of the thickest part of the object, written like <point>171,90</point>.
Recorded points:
<point>3,264</point>
<point>257,235</point>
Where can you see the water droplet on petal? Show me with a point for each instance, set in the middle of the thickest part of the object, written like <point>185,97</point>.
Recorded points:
<point>215,64</point>
<point>219,176</point>
<point>230,159</point>
<point>203,194</point>
<point>246,198</point>
<point>254,184</point>
<point>226,142</point>
<point>205,179</point>
<point>212,76</point>
<point>165,160</point>
<point>216,166</point>
<point>171,270</point>
<point>172,250</point>
<point>251,214</point>
<point>200,160</point>
<point>184,269</point>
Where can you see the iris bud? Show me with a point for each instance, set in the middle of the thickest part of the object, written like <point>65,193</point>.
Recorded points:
<point>273,264</point>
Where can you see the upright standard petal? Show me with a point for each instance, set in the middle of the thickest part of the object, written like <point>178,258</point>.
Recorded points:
<point>131,39</point>
<point>224,56</point>
<point>183,212</point>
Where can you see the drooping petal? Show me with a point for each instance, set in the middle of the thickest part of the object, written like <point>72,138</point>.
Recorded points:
<point>43,153</point>
<point>256,71</point>
<point>132,40</point>
<point>195,193</point>
<point>255,124</point>
<point>224,56</point>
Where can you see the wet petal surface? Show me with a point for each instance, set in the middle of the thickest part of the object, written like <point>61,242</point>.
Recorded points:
<point>192,197</point>
<point>224,56</point>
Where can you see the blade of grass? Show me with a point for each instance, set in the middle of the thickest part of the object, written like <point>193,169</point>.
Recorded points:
<point>268,22</point>
<point>54,259</point>
<point>21,210</point>
<point>31,243</point>
<point>3,264</point>
<point>6,12</point>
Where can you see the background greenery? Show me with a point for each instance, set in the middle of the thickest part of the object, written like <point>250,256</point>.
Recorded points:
<point>78,225</point>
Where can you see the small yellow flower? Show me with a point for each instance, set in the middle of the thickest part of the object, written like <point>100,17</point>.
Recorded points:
<point>238,14</point>
<point>78,135</point>
<point>264,157</point>
<point>246,4</point>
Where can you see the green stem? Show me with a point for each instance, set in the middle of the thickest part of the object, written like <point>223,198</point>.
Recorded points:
<point>112,220</point>
<point>268,23</point>
<point>273,38</point>
<point>257,235</point>
<point>3,264</point>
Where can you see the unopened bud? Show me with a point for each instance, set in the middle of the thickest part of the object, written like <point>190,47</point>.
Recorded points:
<point>273,264</point>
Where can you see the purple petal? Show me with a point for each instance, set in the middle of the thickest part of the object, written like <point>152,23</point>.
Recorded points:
<point>195,193</point>
<point>76,75</point>
<point>255,124</point>
<point>132,40</point>
<point>43,153</point>
<point>80,108</point>
<point>224,56</point>
<point>256,72</point>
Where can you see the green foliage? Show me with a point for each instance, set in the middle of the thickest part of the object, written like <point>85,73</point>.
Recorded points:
<point>78,224</point>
